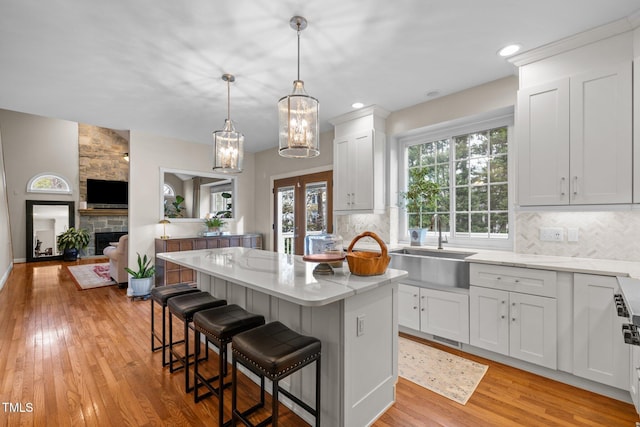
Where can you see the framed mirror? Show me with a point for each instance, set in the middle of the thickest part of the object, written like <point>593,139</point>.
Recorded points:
<point>191,196</point>
<point>46,219</point>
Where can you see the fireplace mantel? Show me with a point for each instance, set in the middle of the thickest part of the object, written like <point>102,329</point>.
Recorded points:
<point>103,212</point>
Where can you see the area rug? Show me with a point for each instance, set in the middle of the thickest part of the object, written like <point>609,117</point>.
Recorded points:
<point>449,375</point>
<point>89,276</point>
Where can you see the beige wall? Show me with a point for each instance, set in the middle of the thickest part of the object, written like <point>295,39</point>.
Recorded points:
<point>6,252</point>
<point>476,100</point>
<point>269,165</point>
<point>148,153</point>
<point>32,145</point>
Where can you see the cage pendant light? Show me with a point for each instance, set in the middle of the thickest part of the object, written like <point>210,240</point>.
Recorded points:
<point>228,151</point>
<point>298,114</point>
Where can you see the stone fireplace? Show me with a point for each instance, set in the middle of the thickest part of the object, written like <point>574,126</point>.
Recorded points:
<point>112,221</point>
<point>101,153</point>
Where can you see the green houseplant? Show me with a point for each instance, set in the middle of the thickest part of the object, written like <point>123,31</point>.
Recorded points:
<point>213,223</point>
<point>420,198</point>
<point>141,280</point>
<point>71,241</point>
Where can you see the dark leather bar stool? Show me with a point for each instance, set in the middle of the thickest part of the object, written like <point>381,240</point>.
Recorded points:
<point>184,307</point>
<point>219,326</point>
<point>275,352</point>
<point>161,295</point>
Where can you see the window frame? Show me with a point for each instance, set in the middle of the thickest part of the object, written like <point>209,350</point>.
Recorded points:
<point>36,178</point>
<point>448,130</point>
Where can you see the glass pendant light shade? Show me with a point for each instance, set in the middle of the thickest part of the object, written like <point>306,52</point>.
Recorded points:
<point>228,144</point>
<point>298,114</point>
<point>298,118</point>
<point>228,149</point>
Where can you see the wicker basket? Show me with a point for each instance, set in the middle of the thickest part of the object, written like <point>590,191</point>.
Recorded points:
<point>365,263</point>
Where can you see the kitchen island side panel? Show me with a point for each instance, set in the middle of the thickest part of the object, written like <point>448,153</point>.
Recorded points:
<point>359,372</point>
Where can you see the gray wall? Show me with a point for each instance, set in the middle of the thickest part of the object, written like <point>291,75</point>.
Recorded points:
<point>32,145</point>
<point>6,252</point>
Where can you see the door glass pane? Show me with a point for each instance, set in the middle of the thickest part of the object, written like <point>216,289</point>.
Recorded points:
<point>286,219</point>
<point>316,207</point>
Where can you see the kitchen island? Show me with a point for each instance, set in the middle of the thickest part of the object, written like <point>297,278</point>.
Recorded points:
<point>355,317</point>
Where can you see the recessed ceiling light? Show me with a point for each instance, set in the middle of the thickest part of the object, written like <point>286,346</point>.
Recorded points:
<point>509,50</point>
<point>357,105</point>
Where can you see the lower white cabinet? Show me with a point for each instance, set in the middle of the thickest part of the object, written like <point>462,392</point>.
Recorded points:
<point>599,352</point>
<point>634,377</point>
<point>514,324</point>
<point>441,313</point>
<point>409,306</point>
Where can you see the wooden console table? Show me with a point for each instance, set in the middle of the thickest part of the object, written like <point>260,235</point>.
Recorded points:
<point>168,273</point>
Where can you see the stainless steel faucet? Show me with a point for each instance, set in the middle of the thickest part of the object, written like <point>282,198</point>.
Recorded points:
<point>439,227</point>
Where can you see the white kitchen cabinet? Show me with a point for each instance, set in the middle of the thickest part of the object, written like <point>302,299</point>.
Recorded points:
<point>600,354</point>
<point>436,312</point>
<point>409,306</point>
<point>359,172</point>
<point>514,324</point>
<point>575,139</point>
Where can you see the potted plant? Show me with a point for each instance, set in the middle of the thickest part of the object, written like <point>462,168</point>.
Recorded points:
<point>71,241</point>
<point>420,197</point>
<point>213,223</point>
<point>141,280</point>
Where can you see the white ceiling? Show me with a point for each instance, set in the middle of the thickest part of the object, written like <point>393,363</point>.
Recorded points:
<point>156,65</point>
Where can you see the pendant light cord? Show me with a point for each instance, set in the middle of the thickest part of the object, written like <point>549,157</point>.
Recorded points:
<point>298,50</point>
<point>228,100</point>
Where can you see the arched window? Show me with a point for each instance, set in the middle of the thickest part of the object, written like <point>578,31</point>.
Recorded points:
<point>49,183</point>
<point>168,191</point>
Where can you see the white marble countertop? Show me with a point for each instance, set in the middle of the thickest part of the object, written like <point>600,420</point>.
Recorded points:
<point>280,275</point>
<point>605,267</point>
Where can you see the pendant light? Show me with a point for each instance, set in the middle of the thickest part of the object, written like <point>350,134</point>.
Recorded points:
<point>228,143</point>
<point>298,113</point>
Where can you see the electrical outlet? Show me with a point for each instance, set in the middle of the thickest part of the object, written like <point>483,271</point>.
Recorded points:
<point>360,326</point>
<point>552,234</point>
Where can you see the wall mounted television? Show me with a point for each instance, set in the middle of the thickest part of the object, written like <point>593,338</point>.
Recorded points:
<point>104,192</point>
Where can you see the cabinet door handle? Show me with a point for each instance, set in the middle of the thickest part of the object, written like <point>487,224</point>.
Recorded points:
<point>415,307</point>
<point>563,180</point>
<point>517,280</point>
<point>575,185</point>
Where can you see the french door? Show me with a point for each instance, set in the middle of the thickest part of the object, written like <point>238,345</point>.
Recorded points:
<point>303,205</point>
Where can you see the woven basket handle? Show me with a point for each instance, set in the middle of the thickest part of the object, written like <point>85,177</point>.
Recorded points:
<point>374,236</point>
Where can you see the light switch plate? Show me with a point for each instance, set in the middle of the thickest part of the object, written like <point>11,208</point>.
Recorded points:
<point>572,234</point>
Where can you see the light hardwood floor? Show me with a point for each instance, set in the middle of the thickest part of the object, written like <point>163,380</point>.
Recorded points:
<point>74,358</point>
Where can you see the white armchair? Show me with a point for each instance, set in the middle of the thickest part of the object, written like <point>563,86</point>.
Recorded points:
<point>118,258</point>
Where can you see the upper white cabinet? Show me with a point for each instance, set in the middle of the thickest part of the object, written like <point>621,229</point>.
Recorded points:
<point>355,160</point>
<point>359,162</point>
<point>575,139</point>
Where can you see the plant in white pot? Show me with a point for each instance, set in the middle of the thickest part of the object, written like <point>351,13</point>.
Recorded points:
<point>421,197</point>
<point>141,280</point>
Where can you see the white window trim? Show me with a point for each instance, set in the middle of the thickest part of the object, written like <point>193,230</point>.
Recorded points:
<point>498,118</point>
<point>35,178</point>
